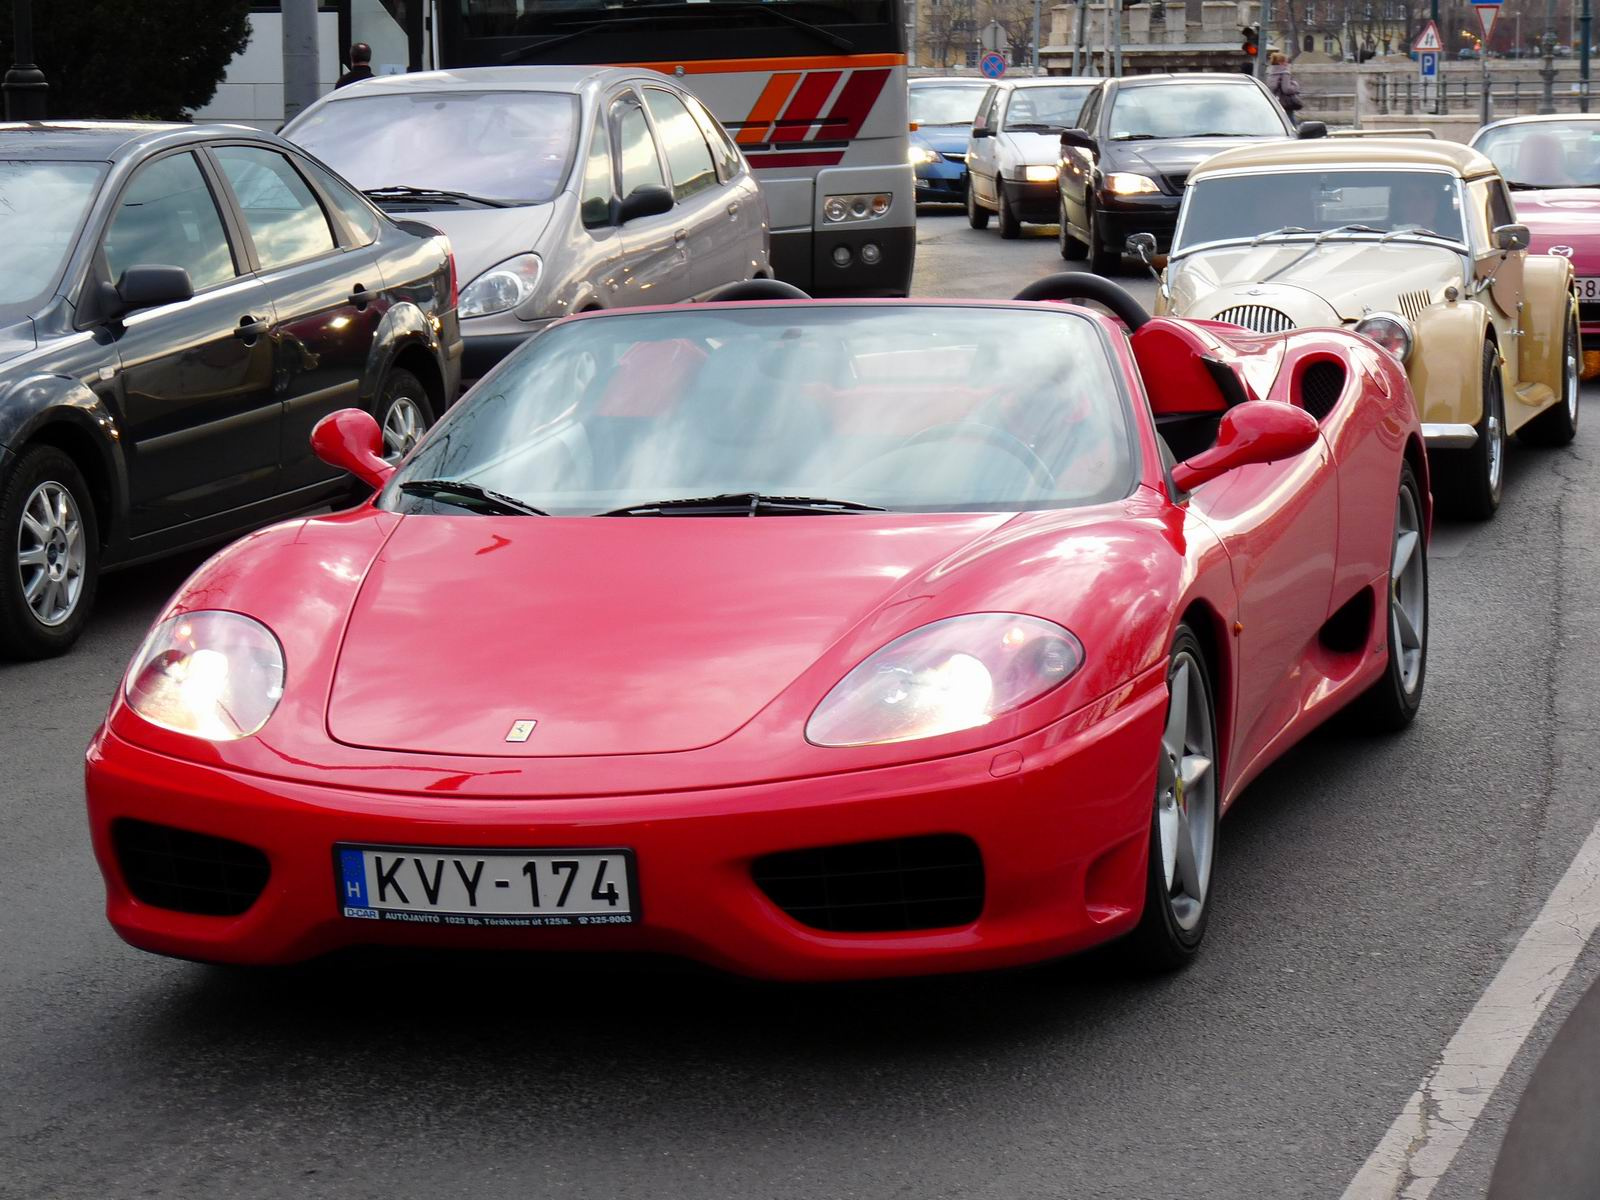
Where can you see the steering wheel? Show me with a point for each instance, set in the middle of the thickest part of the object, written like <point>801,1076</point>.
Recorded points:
<point>1038,469</point>
<point>1080,285</point>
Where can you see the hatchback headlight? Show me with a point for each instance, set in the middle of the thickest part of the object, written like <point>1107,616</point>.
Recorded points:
<point>213,675</point>
<point>1389,330</point>
<point>923,156</point>
<point>958,673</point>
<point>1037,174</point>
<point>502,287</point>
<point>1126,183</point>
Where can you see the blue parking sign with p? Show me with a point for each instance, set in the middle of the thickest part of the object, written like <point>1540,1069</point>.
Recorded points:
<point>1428,60</point>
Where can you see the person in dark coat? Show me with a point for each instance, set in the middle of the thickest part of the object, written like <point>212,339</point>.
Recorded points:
<point>1283,85</point>
<point>360,65</point>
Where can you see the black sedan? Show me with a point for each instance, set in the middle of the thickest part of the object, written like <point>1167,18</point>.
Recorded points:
<point>179,305</point>
<point>1122,172</point>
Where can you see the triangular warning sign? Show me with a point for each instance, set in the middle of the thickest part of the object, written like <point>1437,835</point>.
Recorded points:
<point>1486,18</point>
<point>1428,39</point>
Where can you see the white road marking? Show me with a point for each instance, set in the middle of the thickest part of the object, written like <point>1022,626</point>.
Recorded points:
<point>1435,1123</point>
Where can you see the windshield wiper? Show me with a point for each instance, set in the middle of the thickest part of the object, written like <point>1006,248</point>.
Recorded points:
<point>494,502</point>
<point>1353,228</point>
<point>1419,232</point>
<point>1034,127</point>
<point>1135,137</point>
<point>662,12</point>
<point>1284,232</point>
<point>395,190</point>
<point>741,504</point>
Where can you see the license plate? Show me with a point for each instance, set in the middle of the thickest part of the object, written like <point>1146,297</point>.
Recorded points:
<point>1589,289</point>
<point>490,888</point>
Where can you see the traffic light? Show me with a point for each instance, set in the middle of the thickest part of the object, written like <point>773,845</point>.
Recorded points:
<point>1252,40</point>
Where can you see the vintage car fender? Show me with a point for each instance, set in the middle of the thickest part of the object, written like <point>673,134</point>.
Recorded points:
<point>1548,301</point>
<point>1445,363</point>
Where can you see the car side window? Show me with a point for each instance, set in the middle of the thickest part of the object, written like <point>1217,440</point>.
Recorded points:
<point>991,116</point>
<point>364,222</point>
<point>640,161</point>
<point>1500,212</point>
<point>729,162</point>
<point>168,217</point>
<point>688,156</point>
<point>1091,111</point>
<point>285,219</point>
<point>599,188</point>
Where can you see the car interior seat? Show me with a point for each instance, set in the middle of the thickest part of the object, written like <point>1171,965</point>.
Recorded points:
<point>1540,159</point>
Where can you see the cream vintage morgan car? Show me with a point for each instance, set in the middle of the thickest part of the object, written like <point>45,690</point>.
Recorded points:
<point>1413,243</point>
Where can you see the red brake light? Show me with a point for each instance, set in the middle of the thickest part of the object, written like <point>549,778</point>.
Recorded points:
<point>455,288</point>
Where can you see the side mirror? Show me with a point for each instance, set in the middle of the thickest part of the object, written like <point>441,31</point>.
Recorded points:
<point>1511,237</point>
<point>1311,129</point>
<point>982,131</point>
<point>144,286</point>
<point>1260,431</point>
<point>1143,247</point>
<point>649,201</point>
<point>351,441</point>
<point>1078,139</point>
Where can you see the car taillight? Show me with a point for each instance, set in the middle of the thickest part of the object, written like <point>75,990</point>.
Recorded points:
<point>455,281</point>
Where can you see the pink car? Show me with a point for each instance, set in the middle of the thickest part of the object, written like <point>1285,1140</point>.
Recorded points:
<point>1553,165</point>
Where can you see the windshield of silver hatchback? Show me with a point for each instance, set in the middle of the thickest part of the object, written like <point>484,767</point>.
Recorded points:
<point>785,411</point>
<point>1383,206</point>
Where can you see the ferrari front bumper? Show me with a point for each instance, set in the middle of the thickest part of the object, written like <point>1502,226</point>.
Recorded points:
<point>1061,819</point>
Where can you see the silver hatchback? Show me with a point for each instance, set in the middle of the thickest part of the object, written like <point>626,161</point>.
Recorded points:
<point>561,189</point>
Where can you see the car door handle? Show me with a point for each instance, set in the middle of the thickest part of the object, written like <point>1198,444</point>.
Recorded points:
<point>360,297</point>
<point>733,209</point>
<point>250,328</point>
<point>681,236</point>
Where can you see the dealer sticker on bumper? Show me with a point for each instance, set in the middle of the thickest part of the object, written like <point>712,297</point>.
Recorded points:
<point>489,888</point>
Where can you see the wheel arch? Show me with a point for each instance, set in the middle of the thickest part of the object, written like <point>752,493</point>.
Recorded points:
<point>1211,630</point>
<point>1445,368</point>
<point>415,357</point>
<point>51,411</point>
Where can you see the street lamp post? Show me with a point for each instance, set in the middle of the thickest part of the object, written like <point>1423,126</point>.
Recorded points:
<point>24,86</point>
<point>1547,102</point>
<point>1583,60</point>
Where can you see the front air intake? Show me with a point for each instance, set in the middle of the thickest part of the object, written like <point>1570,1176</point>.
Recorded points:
<point>930,882</point>
<point>188,872</point>
<point>1257,317</point>
<point>1321,384</point>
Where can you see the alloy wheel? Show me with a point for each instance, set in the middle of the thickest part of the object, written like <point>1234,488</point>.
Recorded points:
<point>1186,799</point>
<point>1494,430</point>
<point>1408,592</point>
<point>402,427</point>
<point>1570,370</point>
<point>51,553</point>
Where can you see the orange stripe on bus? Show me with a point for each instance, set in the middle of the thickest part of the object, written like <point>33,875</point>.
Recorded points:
<point>722,66</point>
<point>767,107</point>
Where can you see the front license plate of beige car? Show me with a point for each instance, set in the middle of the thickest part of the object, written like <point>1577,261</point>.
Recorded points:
<point>1589,288</point>
<point>423,885</point>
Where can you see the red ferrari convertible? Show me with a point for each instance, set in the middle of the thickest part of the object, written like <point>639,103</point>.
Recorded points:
<point>806,639</point>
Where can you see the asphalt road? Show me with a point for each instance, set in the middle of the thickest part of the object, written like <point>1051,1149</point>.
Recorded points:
<point>1367,893</point>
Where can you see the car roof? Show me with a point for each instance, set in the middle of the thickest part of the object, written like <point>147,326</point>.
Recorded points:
<point>1351,152</point>
<point>1181,77</point>
<point>1049,81</point>
<point>101,141</point>
<point>511,78</point>
<point>946,80</point>
<point>1540,119</point>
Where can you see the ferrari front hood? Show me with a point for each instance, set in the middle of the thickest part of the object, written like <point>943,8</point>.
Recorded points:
<point>616,636</point>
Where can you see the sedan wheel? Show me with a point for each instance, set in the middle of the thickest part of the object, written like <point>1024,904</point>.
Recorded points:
<point>1558,424</point>
<point>48,524</point>
<point>1071,248</point>
<point>1103,260</point>
<point>1471,480</point>
<point>1183,835</point>
<point>404,415</point>
<point>977,215</point>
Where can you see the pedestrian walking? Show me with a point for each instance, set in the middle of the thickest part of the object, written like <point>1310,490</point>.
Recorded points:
<point>1283,85</point>
<point>360,65</point>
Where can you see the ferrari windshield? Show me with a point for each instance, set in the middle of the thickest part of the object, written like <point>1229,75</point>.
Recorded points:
<point>1335,204</point>
<point>922,409</point>
<point>505,146</point>
<point>41,206</point>
<point>1544,154</point>
<point>946,103</point>
<point>1193,109</point>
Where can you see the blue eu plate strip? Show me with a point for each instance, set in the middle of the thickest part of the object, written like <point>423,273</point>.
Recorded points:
<point>353,874</point>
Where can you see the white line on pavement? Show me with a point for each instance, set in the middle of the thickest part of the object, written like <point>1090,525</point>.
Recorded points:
<point>1433,1126</point>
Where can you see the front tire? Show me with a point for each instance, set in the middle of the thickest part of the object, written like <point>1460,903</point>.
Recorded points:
<point>977,215</point>
<point>1474,478</point>
<point>49,555</point>
<point>1390,704</point>
<point>1103,259</point>
<point>1558,424</point>
<point>1183,825</point>
<point>1010,223</point>
<point>1071,248</point>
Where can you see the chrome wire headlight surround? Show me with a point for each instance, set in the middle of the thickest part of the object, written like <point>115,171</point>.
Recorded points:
<point>502,287</point>
<point>1389,330</point>
<point>954,674</point>
<point>210,674</point>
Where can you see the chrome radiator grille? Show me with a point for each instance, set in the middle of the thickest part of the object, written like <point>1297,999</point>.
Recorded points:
<point>1256,316</point>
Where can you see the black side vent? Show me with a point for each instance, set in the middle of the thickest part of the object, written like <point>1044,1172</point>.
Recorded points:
<point>188,872</point>
<point>1320,385</point>
<point>928,882</point>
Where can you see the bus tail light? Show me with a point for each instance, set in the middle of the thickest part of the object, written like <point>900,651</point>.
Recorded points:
<point>858,206</point>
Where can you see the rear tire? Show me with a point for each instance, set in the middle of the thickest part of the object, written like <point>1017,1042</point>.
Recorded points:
<point>1472,479</point>
<point>1103,259</point>
<point>1183,822</point>
<point>1071,248</point>
<point>1558,424</point>
<point>1389,705</point>
<point>977,215</point>
<point>49,555</point>
<point>1010,223</point>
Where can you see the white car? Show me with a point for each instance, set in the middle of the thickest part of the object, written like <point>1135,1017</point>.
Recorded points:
<point>1015,148</point>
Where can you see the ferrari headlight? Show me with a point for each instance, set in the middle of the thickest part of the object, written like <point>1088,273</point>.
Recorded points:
<point>1038,174</point>
<point>213,675</point>
<point>954,674</point>
<point>1125,183</point>
<point>1390,331</point>
<point>502,287</point>
<point>923,156</point>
